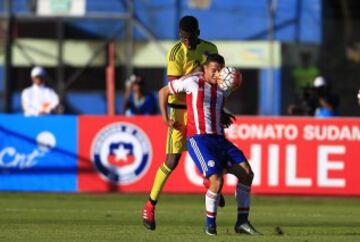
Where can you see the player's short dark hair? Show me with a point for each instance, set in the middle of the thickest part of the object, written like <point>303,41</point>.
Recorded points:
<point>215,58</point>
<point>189,24</point>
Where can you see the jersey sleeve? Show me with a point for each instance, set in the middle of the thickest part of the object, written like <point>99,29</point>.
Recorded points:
<point>181,85</point>
<point>54,99</point>
<point>175,61</point>
<point>25,102</point>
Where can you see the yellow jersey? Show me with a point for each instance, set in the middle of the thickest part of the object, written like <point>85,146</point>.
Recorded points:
<point>182,61</point>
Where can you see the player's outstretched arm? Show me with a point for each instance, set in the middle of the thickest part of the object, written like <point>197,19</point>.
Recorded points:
<point>163,99</point>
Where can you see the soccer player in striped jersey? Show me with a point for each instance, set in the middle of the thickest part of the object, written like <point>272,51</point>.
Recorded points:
<point>212,153</point>
<point>183,58</point>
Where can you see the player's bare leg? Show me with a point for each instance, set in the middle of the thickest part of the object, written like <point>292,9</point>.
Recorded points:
<point>245,177</point>
<point>162,174</point>
<point>211,203</point>
<point>164,171</point>
<point>206,184</point>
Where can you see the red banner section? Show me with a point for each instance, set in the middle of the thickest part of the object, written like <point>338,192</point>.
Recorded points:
<point>119,153</point>
<point>288,155</point>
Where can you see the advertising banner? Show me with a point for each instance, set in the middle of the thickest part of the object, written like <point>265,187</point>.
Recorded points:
<point>38,154</point>
<point>119,153</point>
<point>301,155</point>
<point>288,155</point>
<point>102,154</point>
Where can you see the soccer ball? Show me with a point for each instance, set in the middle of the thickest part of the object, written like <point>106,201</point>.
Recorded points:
<point>230,79</point>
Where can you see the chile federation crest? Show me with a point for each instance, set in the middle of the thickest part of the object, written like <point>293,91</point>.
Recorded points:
<point>121,153</point>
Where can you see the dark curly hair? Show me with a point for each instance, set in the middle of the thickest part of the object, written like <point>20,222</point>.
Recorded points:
<point>189,24</point>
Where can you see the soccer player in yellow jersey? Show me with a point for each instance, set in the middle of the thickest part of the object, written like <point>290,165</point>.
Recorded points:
<point>183,58</point>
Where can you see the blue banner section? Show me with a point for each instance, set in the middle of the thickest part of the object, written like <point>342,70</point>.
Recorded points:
<point>2,86</point>
<point>38,153</point>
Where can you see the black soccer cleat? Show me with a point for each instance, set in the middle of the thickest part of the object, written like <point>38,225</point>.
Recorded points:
<point>246,228</point>
<point>150,225</point>
<point>210,230</point>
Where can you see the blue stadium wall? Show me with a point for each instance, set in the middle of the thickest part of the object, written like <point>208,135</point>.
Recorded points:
<point>297,21</point>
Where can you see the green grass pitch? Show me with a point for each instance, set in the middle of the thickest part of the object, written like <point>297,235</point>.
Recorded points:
<point>116,217</point>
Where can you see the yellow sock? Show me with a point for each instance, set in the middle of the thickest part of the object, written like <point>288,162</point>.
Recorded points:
<point>160,179</point>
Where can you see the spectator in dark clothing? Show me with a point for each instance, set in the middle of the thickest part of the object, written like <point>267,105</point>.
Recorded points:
<point>136,101</point>
<point>328,101</point>
<point>306,104</point>
<point>317,101</point>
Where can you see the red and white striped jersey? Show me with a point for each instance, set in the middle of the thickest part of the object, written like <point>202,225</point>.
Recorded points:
<point>204,103</point>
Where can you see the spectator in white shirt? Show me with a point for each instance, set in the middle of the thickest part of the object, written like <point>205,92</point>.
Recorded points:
<point>38,99</point>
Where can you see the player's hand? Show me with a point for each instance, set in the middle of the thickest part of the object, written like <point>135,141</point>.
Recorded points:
<point>227,119</point>
<point>173,124</point>
<point>129,83</point>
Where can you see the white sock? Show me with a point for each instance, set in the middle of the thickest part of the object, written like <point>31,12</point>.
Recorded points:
<point>211,204</point>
